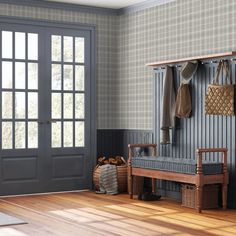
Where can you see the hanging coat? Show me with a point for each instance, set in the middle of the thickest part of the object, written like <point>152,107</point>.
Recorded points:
<point>183,105</point>
<point>168,107</point>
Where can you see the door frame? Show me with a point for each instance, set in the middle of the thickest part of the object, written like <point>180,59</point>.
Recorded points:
<point>93,57</point>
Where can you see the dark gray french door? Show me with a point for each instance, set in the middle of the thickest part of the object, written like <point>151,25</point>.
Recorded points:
<point>45,109</point>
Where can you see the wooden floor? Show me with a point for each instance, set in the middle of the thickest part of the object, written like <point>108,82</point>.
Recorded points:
<point>87,213</point>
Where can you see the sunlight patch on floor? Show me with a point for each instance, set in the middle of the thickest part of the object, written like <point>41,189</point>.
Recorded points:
<point>179,222</point>
<point>124,209</point>
<point>11,232</point>
<point>155,207</point>
<point>124,225</point>
<point>149,227</point>
<point>70,216</point>
<point>200,220</point>
<point>113,229</point>
<point>220,232</point>
<point>101,213</point>
<point>88,215</point>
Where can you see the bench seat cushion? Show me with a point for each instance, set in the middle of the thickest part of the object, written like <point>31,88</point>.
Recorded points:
<point>179,165</point>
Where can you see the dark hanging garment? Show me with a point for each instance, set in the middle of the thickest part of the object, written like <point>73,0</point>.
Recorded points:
<point>168,108</point>
<point>183,106</point>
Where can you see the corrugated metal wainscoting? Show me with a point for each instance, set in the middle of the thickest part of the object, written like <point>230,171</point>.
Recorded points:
<point>200,130</point>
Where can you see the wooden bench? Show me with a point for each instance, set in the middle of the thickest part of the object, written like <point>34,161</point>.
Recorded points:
<point>199,178</point>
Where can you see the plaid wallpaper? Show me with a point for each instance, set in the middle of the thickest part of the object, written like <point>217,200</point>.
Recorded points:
<point>127,42</point>
<point>106,49</point>
<point>175,30</point>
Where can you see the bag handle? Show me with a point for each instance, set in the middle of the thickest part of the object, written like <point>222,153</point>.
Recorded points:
<point>222,66</point>
<point>216,78</point>
<point>227,72</point>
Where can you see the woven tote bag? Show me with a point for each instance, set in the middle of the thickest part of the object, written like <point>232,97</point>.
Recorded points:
<point>219,98</point>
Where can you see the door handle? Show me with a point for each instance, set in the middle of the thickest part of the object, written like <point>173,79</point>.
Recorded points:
<point>51,121</point>
<point>40,122</point>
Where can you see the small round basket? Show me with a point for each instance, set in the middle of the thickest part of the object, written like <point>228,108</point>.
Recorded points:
<point>121,177</point>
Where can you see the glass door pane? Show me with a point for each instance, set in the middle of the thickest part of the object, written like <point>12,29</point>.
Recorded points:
<point>67,91</point>
<point>19,91</point>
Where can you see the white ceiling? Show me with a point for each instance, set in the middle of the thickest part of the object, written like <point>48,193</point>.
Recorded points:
<point>115,4</point>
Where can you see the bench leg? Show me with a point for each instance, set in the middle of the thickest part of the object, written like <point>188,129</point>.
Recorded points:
<point>131,180</point>
<point>154,186</point>
<point>199,199</point>
<point>224,196</point>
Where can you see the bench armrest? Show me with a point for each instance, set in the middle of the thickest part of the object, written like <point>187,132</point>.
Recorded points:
<point>200,151</point>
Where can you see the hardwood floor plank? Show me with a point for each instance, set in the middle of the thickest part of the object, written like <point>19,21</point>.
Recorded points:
<point>90,214</point>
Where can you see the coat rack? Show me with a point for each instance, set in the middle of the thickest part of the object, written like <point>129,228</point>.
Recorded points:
<point>228,55</point>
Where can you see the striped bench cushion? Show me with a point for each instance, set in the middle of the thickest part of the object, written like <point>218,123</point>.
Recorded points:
<point>179,165</point>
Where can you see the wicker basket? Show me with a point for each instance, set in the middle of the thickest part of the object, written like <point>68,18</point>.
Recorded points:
<point>210,196</point>
<point>121,177</point>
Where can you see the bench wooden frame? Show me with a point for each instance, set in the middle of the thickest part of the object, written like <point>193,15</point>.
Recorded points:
<point>199,179</point>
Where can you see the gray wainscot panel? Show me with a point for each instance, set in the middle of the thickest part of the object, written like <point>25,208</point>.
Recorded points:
<point>68,166</point>
<point>19,168</point>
